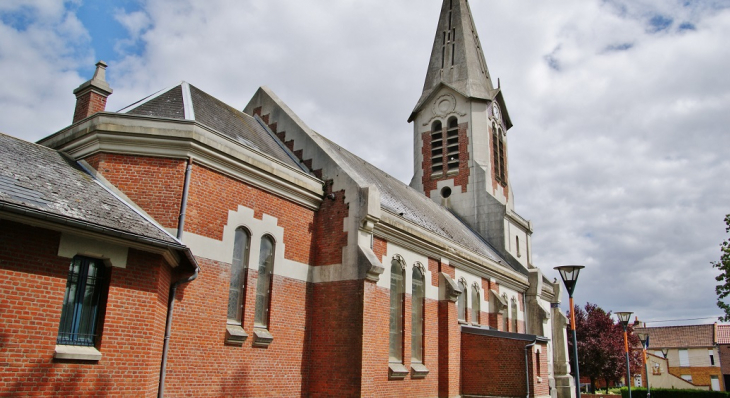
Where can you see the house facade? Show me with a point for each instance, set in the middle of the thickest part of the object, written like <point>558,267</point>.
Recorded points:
<point>266,260</point>
<point>722,333</point>
<point>691,355</point>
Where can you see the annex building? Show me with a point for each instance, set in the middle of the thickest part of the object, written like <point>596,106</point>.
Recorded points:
<point>188,248</point>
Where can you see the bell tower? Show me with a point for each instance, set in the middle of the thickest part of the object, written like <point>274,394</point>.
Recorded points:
<point>460,126</point>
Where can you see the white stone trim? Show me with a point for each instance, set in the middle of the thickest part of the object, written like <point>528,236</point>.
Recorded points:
<point>222,250</point>
<point>185,139</point>
<point>77,353</point>
<point>410,258</point>
<point>71,245</point>
<point>188,107</point>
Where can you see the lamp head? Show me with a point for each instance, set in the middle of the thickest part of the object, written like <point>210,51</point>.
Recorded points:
<point>569,274</point>
<point>665,352</point>
<point>624,318</point>
<point>644,338</point>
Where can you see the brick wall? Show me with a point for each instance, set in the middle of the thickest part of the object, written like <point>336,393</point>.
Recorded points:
<point>89,104</point>
<point>212,195</point>
<point>380,248</point>
<point>449,347</point>
<point>461,178</point>
<point>154,184</point>
<point>376,348</point>
<point>200,364</point>
<point>700,374</point>
<point>329,228</point>
<point>32,286</point>
<point>335,339</point>
<point>485,359</point>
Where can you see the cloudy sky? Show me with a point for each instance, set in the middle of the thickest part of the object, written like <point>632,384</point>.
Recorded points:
<point>619,150</point>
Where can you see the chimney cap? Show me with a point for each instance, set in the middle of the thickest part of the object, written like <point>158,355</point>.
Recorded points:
<point>97,83</point>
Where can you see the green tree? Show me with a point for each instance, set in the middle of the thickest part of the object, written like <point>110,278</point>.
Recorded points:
<point>723,289</point>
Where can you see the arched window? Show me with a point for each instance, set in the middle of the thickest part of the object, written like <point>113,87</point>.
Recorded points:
<point>452,145</point>
<point>236,290</point>
<point>397,290</point>
<point>500,173</point>
<point>514,315</point>
<point>476,304</point>
<point>461,304</point>
<point>418,296</point>
<point>437,148</point>
<point>263,286</point>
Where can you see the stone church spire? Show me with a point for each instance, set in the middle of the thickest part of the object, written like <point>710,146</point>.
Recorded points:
<point>457,60</point>
<point>460,124</point>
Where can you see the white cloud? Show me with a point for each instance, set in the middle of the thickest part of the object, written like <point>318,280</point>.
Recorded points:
<point>619,156</point>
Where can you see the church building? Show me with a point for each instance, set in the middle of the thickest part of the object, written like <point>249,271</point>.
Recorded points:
<point>184,247</point>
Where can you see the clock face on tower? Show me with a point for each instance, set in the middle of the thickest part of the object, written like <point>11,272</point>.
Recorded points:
<point>495,112</point>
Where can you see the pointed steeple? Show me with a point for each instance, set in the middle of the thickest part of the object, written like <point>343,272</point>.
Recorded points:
<point>457,60</point>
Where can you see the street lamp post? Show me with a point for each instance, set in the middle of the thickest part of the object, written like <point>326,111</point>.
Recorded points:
<point>644,337</point>
<point>624,318</point>
<point>569,274</point>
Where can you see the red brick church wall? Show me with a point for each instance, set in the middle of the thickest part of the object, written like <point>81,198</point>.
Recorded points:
<point>32,285</point>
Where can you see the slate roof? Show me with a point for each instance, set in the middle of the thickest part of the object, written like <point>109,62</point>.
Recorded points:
<point>723,334</point>
<point>186,102</point>
<point>691,336</point>
<point>40,182</point>
<point>415,207</point>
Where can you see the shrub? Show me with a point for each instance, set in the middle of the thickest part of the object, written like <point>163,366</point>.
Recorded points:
<point>672,393</point>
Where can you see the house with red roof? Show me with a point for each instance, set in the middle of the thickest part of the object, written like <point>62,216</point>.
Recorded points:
<point>684,357</point>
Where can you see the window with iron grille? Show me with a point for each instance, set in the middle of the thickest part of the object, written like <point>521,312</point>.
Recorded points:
<point>83,302</point>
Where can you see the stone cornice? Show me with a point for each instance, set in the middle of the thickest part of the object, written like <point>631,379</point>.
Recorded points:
<point>183,139</point>
<point>399,231</point>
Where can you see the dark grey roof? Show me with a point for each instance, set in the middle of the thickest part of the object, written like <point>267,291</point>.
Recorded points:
<point>168,104</point>
<point>413,206</point>
<point>215,114</point>
<point>40,181</point>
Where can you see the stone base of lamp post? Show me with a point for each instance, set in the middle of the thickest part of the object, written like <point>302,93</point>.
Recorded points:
<point>564,387</point>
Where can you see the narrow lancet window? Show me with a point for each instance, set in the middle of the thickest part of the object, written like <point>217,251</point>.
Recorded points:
<point>461,303</point>
<point>236,290</point>
<point>263,286</point>
<point>418,299</point>
<point>476,305</point>
<point>397,290</point>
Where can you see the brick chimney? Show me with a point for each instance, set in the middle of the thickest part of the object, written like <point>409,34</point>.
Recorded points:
<point>91,96</point>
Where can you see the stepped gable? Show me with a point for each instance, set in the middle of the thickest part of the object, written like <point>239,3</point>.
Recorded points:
<point>400,199</point>
<point>39,181</point>
<point>187,102</point>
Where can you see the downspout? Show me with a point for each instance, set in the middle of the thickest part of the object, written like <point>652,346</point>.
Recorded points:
<point>527,367</point>
<point>184,204</point>
<point>173,288</point>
